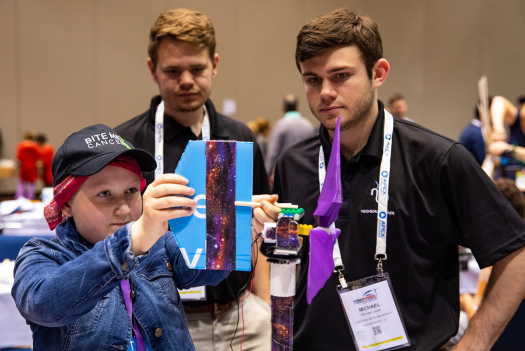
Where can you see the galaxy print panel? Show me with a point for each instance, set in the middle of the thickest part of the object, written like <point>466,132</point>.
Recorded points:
<point>282,323</point>
<point>220,205</point>
<point>215,220</point>
<point>286,233</point>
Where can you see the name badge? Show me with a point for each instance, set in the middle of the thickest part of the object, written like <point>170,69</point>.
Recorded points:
<point>373,314</point>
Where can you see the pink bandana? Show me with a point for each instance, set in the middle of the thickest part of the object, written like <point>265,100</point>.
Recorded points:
<point>69,186</point>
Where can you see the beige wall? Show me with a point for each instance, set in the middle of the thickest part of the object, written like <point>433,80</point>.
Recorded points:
<point>66,64</point>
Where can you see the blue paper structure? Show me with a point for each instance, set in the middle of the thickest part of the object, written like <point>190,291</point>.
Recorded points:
<point>190,232</point>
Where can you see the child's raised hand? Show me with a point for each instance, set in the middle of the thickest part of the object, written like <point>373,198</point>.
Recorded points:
<point>164,199</point>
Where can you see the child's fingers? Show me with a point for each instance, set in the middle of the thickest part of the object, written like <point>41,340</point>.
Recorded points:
<point>166,189</point>
<point>168,202</point>
<point>170,178</point>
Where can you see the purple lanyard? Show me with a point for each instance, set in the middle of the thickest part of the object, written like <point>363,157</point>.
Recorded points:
<point>126,290</point>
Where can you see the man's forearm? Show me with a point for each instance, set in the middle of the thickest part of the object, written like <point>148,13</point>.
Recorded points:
<point>261,281</point>
<point>503,295</point>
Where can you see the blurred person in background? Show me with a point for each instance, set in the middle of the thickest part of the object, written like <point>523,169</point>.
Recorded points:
<point>512,337</point>
<point>260,127</point>
<point>27,155</point>
<point>46,155</point>
<point>471,137</point>
<point>503,112</point>
<point>397,106</point>
<point>288,130</point>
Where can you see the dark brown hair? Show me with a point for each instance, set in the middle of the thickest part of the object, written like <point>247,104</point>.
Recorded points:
<point>511,192</point>
<point>186,25</point>
<point>340,27</point>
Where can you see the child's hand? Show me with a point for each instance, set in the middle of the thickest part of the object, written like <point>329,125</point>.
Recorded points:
<point>266,213</point>
<point>165,198</point>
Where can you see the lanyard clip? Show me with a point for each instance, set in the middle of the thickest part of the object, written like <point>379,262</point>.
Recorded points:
<point>380,260</point>
<point>340,270</point>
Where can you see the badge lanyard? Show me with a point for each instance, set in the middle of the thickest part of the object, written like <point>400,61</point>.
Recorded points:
<point>382,205</point>
<point>196,293</point>
<point>159,136</point>
<point>370,304</point>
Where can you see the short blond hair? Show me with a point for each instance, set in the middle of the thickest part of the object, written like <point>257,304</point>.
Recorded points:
<point>186,25</point>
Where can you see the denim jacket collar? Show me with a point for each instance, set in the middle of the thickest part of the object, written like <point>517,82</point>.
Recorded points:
<point>69,237</point>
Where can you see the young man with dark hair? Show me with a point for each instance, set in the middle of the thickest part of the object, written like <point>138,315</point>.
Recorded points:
<point>183,63</point>
<point>437,197</point>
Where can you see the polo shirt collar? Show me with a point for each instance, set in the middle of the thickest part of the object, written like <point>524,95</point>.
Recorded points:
<point>292,114</point>
<point>173,128</point>
<point>476,122</point>
<point>373,147</point>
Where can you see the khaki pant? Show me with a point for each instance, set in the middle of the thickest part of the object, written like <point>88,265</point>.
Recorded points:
<point>214,333</point>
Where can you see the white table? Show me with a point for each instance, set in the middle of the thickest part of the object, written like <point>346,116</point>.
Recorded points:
<point>14,332</point>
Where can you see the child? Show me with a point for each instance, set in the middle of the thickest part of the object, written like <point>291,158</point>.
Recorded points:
<point>46,155</point>
<point>109,278</point>
<point>27,155</point>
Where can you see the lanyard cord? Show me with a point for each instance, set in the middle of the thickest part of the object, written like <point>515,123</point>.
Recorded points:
<point>382,203</point>
<point>159,136</point>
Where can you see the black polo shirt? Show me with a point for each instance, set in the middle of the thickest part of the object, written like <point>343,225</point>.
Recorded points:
<point>439,198</point>
<point>140,132</point>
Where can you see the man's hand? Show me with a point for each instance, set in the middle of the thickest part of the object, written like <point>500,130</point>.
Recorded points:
<point>498,147</point>
<point>165,198</point>
<point>266,213</point>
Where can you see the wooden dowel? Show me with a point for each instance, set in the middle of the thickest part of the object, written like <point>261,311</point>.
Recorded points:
<point>258,204</point>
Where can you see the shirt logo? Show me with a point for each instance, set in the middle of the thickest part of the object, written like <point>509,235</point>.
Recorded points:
<point>375,192</point>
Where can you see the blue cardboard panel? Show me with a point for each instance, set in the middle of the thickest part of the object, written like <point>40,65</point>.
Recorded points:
<point>243,192</point>
<point>190,232</point>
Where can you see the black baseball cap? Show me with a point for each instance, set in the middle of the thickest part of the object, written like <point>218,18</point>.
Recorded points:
<point>86,152</point>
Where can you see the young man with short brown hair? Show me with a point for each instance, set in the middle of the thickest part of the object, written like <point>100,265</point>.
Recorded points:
<point>183,63</point>
<point>437,197</point>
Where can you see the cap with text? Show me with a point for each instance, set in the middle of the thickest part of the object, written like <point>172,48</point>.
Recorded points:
<point>86,152</point>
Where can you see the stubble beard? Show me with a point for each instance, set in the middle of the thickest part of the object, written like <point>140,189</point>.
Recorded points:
<point>192,109</point>
<point>360,111</point>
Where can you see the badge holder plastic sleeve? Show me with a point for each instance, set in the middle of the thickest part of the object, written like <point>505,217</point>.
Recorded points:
<point>368,281</point>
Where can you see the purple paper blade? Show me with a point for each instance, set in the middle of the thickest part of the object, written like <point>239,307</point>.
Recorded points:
<point>331,197</point>
<point>321,264</point>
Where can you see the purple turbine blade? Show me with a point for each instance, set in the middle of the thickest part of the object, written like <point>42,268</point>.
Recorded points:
<point>331,197</point>
<point>321,263</point>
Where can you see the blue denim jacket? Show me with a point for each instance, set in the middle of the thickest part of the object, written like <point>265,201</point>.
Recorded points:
<point>69,291</point>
